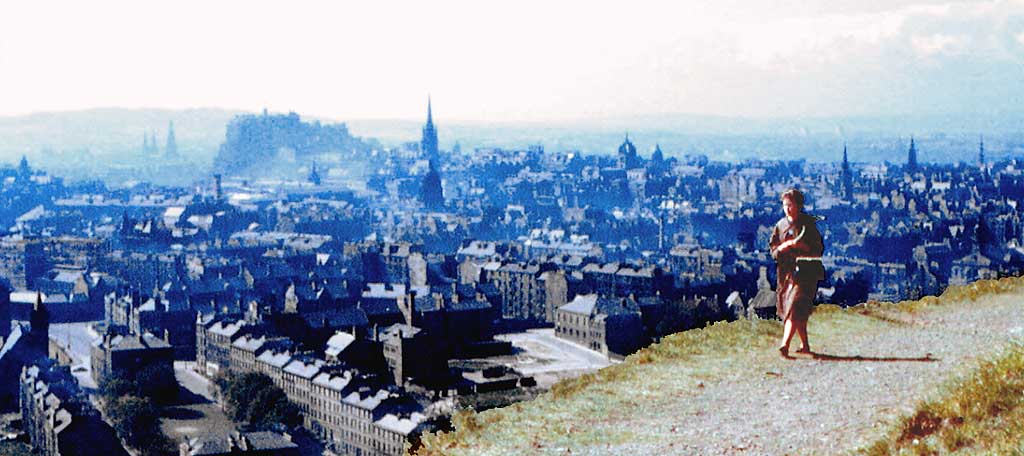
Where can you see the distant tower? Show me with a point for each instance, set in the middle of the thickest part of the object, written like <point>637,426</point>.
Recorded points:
<point>912,157</point>
<point>847,177</point>
<point>428,145</point>
<point>657,156</point>
<point>657,163</point>
<point>145,143</point>
<point>981,151</point>
<point>431,194</point>
<point>314,176</point>
<point>24,171</point>
<point>219,191</point>
<point>627,155</point>
<point>172,144</point>
<point>39,321</point>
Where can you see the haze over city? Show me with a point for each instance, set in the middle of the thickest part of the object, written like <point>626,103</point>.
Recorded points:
<point>527,61</point>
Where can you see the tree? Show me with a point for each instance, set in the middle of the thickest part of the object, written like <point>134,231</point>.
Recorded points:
<point>253,398</point>
<point>157,382</point>
<point>135,419</point>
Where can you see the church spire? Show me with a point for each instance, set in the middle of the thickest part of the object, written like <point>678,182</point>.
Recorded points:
<point>314,175</point>
<point>912,156</point>
<point>846,177</point>
<point>430,114</point>
<point>428,143</point>
<point>981,150</point>
<point>172,143</point>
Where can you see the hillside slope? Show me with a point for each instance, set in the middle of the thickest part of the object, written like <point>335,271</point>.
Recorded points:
<point>724,389</point>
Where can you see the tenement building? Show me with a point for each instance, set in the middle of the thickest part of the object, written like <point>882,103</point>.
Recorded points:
<point>608,325</point>
<point>58,417</point>
<point>128,354</point>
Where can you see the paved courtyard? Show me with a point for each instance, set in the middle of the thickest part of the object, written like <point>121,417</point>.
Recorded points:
<point>547,358</point>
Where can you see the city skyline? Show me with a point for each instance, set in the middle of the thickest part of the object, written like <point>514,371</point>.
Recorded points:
<point>571,61</point>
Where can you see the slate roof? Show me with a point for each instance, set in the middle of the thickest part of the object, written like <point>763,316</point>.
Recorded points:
<point>338,343</point>
<point>401,425</point>
<point>337,318</point>
<point>375,307</point>
<point>592,304</point>
<point>304,367</point>
<point>146,341</point>
<point>465,305</point>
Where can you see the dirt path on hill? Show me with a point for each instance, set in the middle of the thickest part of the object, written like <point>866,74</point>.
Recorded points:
<point>834,404</point>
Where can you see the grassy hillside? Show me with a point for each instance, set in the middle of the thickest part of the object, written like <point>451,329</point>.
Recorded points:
<point>981,412</point>
<point>630,404</point>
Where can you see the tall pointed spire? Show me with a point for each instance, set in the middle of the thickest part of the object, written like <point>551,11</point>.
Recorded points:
<point>846,178</point>
<point>428,145</point>
<point>172,143</point>
<point>912,156</point>
<point>430,114</point>
<point>314,175</point>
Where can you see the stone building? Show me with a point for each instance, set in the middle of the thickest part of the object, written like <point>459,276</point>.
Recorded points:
<point>297,382</point>
<point>125,355</point>
<point>380,421</point>
<point>974,266</point>
<point>244,350</point>
<point>24,346</point>
<point>618,279</point>
<point>276,354</point>
<point>412,353</point>
<point>58,417</point>
<point>763,304</point>
<point>696,264</point>
<point>523,293</point>
<point>612,326</point>
<point>213,343</point>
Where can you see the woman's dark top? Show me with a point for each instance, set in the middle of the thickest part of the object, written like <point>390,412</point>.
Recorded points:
<point>796,295</point>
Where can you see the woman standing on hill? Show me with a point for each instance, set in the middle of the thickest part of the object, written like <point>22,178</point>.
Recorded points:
<point>796,247</point>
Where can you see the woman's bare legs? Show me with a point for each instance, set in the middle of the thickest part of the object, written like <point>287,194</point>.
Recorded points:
<point>801,330</point>
<point>787,335</point>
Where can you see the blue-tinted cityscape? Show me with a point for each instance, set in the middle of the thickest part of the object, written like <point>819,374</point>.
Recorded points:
<point>458,228</point>
<point>277,307</point>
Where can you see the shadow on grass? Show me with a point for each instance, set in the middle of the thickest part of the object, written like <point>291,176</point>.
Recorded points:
<point>181,413</point>
<point>883,359</point>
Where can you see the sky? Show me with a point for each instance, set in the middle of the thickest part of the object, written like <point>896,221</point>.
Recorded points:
<point>516,61</point>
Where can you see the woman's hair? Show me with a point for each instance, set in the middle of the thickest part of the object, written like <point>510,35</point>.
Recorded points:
<point>793,195</point>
